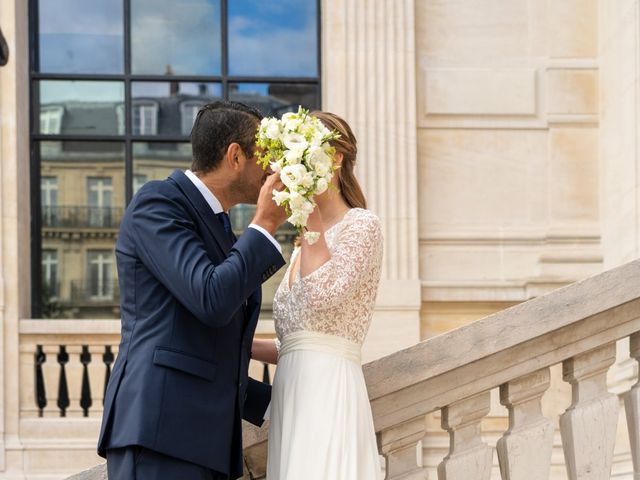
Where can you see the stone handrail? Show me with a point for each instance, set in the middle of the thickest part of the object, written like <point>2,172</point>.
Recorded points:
<point>577,326</point>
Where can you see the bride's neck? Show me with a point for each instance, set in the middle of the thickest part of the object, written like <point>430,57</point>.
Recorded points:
<point>332,208</point>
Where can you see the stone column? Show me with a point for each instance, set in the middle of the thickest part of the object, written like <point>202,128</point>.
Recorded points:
<point>368,77</point>
<point>14,221</point>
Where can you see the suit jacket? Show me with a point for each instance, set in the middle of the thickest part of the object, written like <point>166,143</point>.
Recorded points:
<point>190,302</point>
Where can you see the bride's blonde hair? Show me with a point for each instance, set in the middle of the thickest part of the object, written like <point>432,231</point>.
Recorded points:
<point>346,145</point>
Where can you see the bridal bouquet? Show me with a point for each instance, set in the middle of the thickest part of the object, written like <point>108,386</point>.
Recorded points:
<point>297,147</point>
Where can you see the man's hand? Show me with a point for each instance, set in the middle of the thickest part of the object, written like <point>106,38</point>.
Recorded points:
<point>269,215</point>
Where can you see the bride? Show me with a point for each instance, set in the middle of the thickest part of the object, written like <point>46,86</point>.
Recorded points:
<point>321,424</point>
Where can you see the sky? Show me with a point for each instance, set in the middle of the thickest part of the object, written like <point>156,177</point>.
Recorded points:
<point>268,38</point>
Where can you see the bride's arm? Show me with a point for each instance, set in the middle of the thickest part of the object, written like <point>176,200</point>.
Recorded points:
<point>265,350</point>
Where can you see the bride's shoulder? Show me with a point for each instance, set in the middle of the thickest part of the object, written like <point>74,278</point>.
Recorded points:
<point>364,218</point>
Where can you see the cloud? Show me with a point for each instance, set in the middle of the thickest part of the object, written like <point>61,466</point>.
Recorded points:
<point>187,38</point>
<point>259,48</point>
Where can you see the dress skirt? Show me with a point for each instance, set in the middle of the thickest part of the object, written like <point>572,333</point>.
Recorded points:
<point>321,424</point>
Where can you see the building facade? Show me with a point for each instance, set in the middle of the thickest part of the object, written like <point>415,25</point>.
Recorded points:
<point>497,143</point>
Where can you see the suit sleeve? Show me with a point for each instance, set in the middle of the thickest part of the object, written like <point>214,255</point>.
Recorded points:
<point>171,248</point>
<point>256,401</point>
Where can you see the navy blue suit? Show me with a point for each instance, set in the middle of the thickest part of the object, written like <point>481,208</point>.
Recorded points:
<point>190,303</point>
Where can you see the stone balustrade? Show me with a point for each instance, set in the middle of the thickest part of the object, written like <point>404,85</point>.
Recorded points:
<point>513,350</point>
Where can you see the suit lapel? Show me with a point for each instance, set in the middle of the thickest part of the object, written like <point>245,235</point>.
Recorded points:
<point>202,207</point>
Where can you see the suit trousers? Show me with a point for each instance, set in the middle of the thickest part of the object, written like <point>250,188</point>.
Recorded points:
<point>138,463</point>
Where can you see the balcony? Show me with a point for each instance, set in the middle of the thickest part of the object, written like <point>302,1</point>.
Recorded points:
<point>86,292</point>
<point>76,217</point>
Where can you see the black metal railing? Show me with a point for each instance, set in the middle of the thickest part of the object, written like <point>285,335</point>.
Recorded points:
<point>86,398</point>
<point>62,358</point>
<point>81,217</point>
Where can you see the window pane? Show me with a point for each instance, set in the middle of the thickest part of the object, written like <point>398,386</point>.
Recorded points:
<point>169,108</point>
<point>80,107</point>
<point>269,38</point>
<point>274,99</point>
<point>80,36</point>
<point>156,161</point>
<point>84,218</point>
<point>180,37</point>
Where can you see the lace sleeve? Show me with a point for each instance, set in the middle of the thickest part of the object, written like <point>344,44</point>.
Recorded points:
<point>357,249</point>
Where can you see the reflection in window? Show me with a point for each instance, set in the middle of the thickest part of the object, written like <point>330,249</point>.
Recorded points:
<point>120,119</point>
<point>100,193</point>
<point>274,99</point>
<point>85,179</point>
<point>176,105</point>
<point>80,36</point>
<point>176,37</point>
<point>100,274</point>
<point>89,106</point>
<point>273,38</point>
<point>50,285</point>
<point>49,200</point>
<point>51,120</point>
<point>138,181</point>
<point>188,113</point>
<point>156,161</point>
<point>145,118</point>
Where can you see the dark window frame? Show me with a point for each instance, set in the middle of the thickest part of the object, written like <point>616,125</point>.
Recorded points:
<point>128,139</point>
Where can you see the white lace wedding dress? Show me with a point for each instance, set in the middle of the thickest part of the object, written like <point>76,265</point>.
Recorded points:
<point>321,424</point>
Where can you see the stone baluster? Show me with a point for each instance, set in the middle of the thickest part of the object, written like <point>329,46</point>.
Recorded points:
<point>469,457</point>
<point>632,409</point>
<point>525,449</point>
<point>588,427</point>
<point>398,444</point>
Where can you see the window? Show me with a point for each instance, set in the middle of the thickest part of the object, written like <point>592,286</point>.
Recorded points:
<point>99,195</point>
<point>51,119</point>
<point>138,180</point>
<point>50,274</point>
<point>188,112</point>
<point>100,274</point>
<point>145,118</point>
<point>116,86</point>
<point>49,199</point>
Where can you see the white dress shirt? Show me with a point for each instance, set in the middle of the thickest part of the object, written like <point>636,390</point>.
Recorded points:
<point>216,206</point>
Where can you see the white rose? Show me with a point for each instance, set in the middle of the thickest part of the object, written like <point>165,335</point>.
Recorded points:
<point>316,139</point>
<point>294,141</point>
<point>289,116</point>
<point>280,197</point>
<point>292,176</point>
<point>321,186</point>
<point>276,166</point>
<point>293,157</point>
<point>307,180</point>
<point>298,219</point>
<point>272,130</point>
<point>292,124</point>
<point>295,201</point>
<point>322,168</point>
<point>312,237</point>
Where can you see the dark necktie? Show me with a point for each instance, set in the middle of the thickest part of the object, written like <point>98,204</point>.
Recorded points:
<point>226,224</point>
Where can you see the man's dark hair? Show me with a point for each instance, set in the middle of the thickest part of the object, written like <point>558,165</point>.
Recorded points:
<point>218,125</point>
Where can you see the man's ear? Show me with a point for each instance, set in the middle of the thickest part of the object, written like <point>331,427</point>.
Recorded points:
<point>233,157</point>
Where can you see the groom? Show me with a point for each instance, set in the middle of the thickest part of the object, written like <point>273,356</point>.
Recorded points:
<point>190,295</point>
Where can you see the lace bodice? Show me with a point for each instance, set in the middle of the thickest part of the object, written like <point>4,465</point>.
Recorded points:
<point>338,298</point>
